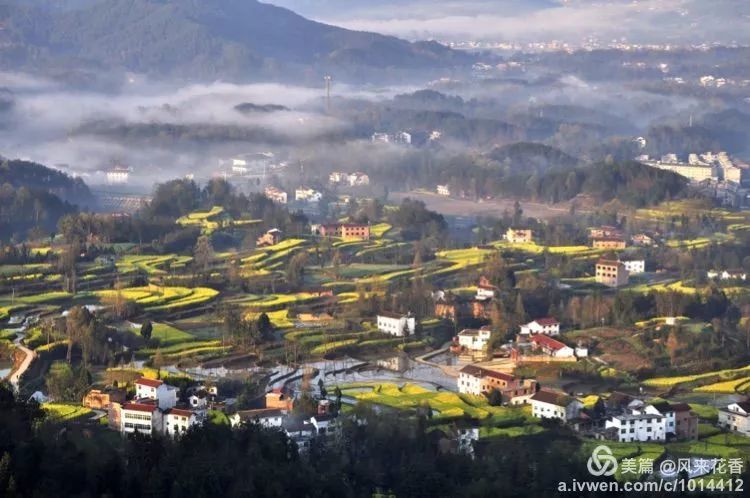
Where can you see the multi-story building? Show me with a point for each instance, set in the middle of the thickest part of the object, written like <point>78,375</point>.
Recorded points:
<point>546,326</point>
<point>736,417</point>
<point>474,339</point>
<point>638,427</point>
<point>177,421</point>
<point>153,389</point>
<point>276,195</point>
<point>552,404</point>
<point>611,273</point>
<point>345,231</point>
<point>477,381</point>
<point>118,175</point>
<point>140,417</point>
<point>611,243</point>
<point>396,324</point>
<point>634,266</point>
<point>519,235</point>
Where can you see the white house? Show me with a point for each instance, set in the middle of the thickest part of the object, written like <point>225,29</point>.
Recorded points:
<point>736,417</point>
<point>546,326</point>
<point>485,289</point>
<point>380,138</point>
<point>307,194</point>
<point>267,417</point>
<point>634,266</point>
<point>396,324</point>
<point>727,275</point>
<point>638,427</point>
<point>443,190</point>
<point>474,339</point>
<point>177,421</point>
<point>552,404</point>
<point>325,425</point>
<point>144,418</point>
<point>665,410</point>
<point>153,389</point>
<point>358,179</point>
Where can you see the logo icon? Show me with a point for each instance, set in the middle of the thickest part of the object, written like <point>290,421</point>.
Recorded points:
<point>602,462</point>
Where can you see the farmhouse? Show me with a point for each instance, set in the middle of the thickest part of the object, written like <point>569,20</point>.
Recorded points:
<point>278,400</point>
<point>638,427</point>
<point>177,421</point>
<point>98,399</point>
<point>443,190</point>
<point>546,326</point>
<point>553,404</point>
<point>727,275</point>
<point>396,324</point>
<point>474,339</point>
<point>551,347</point>
<point>266,417</point>
<point>634,266</point>
<point>345,231</point>
<point>477,381</point>
<point>643,240</point>
<point>485,289</point>
<point>736,417</point>
<point>519,235</point>
<point>140,417</point>
<point>270,238</point>
<point>152,389</point>
<point>605,231</point>
<point>611,273</point>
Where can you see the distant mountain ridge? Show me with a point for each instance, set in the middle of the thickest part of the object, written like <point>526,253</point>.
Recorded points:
<point>202,39</point>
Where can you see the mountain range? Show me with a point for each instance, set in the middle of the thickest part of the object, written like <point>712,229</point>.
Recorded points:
<point>201,40</point>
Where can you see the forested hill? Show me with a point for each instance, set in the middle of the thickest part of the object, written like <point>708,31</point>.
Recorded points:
<point>524,157</point>
<point>631,183</point>
<point>37,177</point>
<point>203,39</point>
<point>33,198</point>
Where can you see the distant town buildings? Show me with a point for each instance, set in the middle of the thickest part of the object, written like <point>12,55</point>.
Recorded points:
<point>357,179</point>
<point>519,235</point>
<point>611,273</point>
<point>307,194</point>
<point>727,275</point>
<point>396,324</point>
<point>443,190</point>
<point>401,137</point>
<point>118,175</point>
<point>701,167</point>
<point>276,195</point>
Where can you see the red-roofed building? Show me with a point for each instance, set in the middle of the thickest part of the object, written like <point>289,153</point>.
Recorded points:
<point>154,389</point>
<point>177,421</point>
<point>551,347</point>
<point>141,417</point>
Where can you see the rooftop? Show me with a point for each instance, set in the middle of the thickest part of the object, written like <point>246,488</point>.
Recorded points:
<point>149,382</point>
<point>553,398</point>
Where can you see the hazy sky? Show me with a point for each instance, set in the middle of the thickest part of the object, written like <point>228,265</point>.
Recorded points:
<point>677,21</point>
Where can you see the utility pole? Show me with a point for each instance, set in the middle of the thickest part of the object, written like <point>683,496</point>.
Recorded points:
<point>328,80</point>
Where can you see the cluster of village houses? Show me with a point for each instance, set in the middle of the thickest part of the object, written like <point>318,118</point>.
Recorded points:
<point>155,409</point>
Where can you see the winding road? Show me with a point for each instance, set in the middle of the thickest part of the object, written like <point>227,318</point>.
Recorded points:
<point>29,356</point>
